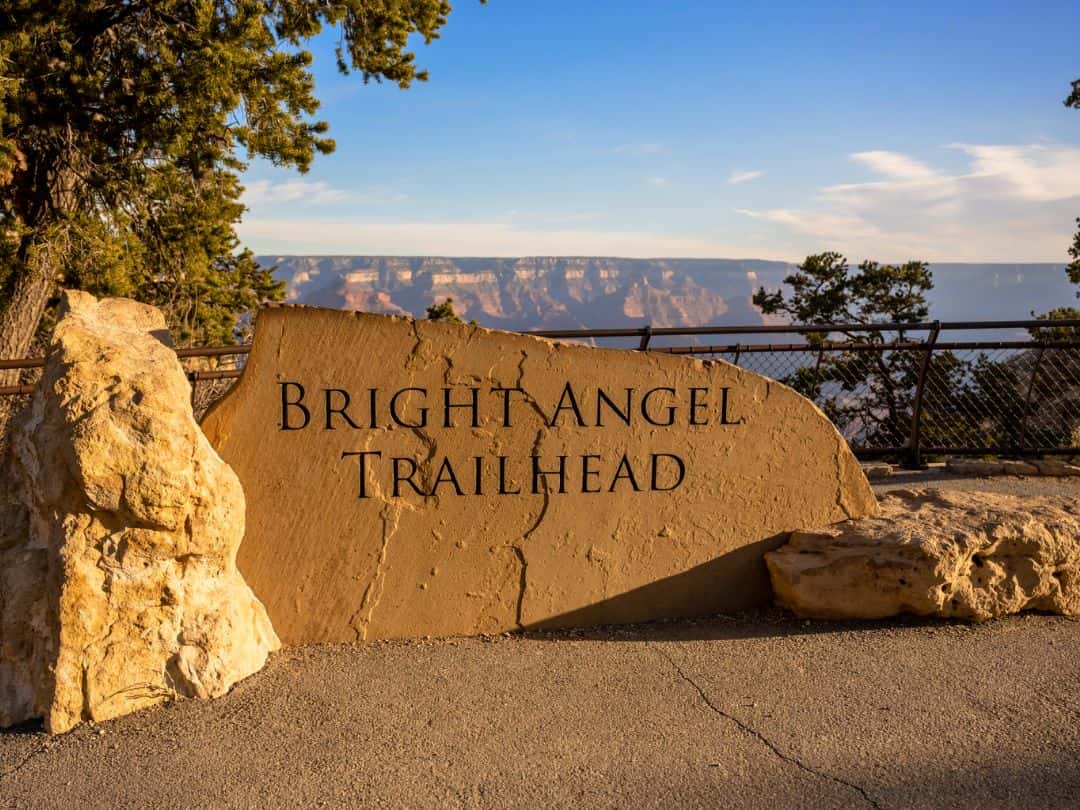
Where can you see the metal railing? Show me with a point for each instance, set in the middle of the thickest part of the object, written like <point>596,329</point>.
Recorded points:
<point>889,394</point>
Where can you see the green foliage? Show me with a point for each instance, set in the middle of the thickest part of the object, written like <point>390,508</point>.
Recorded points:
<point>444,312</point>
<point>124,125</point>
<point>1057,332</point>
<point>868,392</point>
<point>826,290</point>
<point>1073,99</point>
<point>862,391</point>
<point>1073,267</point>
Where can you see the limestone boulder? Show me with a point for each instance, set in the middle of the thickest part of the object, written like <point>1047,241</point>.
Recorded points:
<point>1056,466</point>
<point>119,590</point>
<point>1039,466</point>
<point>930,552</point>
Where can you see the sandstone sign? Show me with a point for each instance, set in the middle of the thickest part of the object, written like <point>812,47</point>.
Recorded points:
<point>414,478</point>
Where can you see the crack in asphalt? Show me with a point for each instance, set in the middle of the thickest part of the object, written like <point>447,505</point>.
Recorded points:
<point>757,735</point>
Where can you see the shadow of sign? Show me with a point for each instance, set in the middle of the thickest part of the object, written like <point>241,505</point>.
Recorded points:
<point>733,581</point>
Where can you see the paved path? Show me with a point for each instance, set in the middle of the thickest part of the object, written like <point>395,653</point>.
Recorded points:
<point>937,476</point>
<point>757,710</point>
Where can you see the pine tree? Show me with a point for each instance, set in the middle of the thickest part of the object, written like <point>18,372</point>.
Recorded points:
<point>1072,269</point>
<point>124,125</point>
<point>863,391</point>
<point>443,312</point>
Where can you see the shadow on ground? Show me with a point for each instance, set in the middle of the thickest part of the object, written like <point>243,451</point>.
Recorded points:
<point>754,624</point>
<point>28,729</point>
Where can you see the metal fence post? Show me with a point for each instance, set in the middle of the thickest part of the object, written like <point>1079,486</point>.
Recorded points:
<point>646,335</point>
<point>817,370</point>
<point>915,439</point>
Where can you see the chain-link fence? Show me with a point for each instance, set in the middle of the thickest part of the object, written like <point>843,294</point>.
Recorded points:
<point>1018,398</point>
<point>899,391</point>
<point>890,392</point>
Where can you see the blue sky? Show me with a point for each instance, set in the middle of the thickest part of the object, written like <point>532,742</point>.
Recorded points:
<point>692,128</point>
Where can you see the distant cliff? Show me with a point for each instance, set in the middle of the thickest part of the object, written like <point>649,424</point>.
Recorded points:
<point>593,292</point>
<point>537,293</point>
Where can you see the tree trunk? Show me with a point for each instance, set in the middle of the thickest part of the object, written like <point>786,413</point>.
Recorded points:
<point>48,188</point>
<point>22,313</point>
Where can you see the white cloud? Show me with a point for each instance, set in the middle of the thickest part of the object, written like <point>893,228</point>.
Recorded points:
<point>637,149</point>
<point>1036,172</point>
<point>306,236</point>
<point>743,177</point>
<point>261,192</point>
<point>896,166</point>
<point>659,182</point>
<point>1012,203</point>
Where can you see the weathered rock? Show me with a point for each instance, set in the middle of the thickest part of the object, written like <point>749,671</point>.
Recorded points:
<point>343,552</point>
<point>985,468</point>
<point>877,472</point>
<point>122,592</point>
<point>967,555</point>
<point>1017,467</point>
<point>1056,467</point>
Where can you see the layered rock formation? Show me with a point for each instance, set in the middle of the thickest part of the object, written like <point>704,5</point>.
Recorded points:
<point>539,292</point>
<point>413,478</point>
<point>966,555</point>
<point>118,584</point>
<point>601,292</point>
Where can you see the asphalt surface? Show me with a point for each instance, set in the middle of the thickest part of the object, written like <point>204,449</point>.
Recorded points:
<point>754,710</point>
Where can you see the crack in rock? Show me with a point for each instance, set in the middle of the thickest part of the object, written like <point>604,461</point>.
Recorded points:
<point>426,472</point>
<point>390,516</point>
<point>414,353</point>
<point>529,399</point>
<point>840,477</point>
<point>516,548</point>
<point>522,582</point>
<point>750,731</point>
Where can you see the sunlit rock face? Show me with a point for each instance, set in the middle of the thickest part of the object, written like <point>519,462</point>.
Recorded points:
<point>966,555</point>
<point>118,585</point>
<point>604,292</point>
<point>414,478</point>
<point>539,292</point>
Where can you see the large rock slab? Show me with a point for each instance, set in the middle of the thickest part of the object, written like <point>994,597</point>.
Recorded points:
<point>413,478</point>
<point>118,582</point>
<point>931,552</point>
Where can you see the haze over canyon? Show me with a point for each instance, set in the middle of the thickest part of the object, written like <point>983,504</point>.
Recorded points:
<point>598,292</point>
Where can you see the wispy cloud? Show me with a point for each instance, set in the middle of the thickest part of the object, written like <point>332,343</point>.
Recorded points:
<point>258,192</point>
<point>1036,172</point>
<point>657,181</point>
<point>1012,203</point>
<point>737,177</point>
<point>896,166</point>
<point>638,149</point>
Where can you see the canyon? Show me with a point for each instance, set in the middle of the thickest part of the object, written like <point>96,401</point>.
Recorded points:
<point>536,293</point>
<point>521,294</point>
